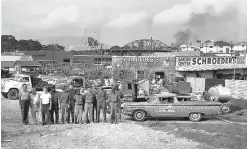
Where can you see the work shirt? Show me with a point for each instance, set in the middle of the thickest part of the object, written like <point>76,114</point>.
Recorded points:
<point>24,95</point>
<point>72,93</point>
<point>35,98</point>
<point>101,95</point>
<point>45,98</point>
<point>54,97</point>
<point>64,98</point>
<point>79,99</point>
<point>113,97</point>
<point>89,98</point>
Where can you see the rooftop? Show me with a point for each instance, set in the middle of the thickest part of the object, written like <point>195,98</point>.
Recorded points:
<point>28,63</point>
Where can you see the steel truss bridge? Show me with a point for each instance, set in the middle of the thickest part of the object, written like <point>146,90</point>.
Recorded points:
<point>132,48</point>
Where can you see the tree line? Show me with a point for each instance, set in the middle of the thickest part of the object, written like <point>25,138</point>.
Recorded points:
<point>11,44</point>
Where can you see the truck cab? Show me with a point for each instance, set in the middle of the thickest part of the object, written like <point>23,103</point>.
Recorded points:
<point>11,87</point>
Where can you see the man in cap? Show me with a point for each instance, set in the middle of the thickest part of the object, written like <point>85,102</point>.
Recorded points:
<point>94,112</point>
<point>120,96</point>
<point>88,107</point>
<point>55,106</point>
<point>64,99</point>
<point>72,93</point>
<point>79,100</point>
<point>101,97</point>
<point>114,99</point>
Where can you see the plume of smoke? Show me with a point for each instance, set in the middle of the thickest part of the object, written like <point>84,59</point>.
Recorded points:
<point>218,20</point>
<point>182,36</point>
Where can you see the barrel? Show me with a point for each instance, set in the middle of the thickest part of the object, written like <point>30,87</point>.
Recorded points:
<point>222,94</point>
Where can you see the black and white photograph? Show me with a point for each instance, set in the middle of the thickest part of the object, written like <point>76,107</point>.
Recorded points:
<point>123,74</point>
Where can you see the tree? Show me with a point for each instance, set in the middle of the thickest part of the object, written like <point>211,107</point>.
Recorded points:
<point>53,47</point>
<point>29,45</point>
<point>115,47</point>
<point>9,43</point>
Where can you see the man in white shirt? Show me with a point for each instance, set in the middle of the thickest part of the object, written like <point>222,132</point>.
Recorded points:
<point>46,105</point>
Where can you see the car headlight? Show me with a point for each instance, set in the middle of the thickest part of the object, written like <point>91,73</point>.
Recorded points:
<point>2,87</point>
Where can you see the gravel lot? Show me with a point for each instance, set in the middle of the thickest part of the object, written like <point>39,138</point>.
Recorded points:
<point>128,134</point>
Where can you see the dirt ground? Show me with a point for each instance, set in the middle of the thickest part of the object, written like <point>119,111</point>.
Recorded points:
<point>153,134</point>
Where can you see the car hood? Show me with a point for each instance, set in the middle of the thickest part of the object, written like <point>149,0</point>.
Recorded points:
<point>184,103</point>
<point>61,85</point>
<point>203,103</point>
<point>8,81</point>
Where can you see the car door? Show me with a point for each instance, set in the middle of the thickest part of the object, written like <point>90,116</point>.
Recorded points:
<point>165,107</point>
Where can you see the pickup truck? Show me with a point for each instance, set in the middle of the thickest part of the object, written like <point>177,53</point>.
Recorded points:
<point>10,87</point>
<point>75,81</point>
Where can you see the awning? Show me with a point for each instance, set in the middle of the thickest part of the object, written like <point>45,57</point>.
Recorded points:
<point>7,64</point>
<point>210,67</point>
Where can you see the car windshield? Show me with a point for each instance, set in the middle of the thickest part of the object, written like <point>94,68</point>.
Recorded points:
<point>152,98</point>
<point>15,78</point>
<point>107,87</point>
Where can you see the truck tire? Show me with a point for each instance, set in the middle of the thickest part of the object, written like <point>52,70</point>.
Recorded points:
<point>225,108</point>
<point>13,94</point>
<point>195,117</point>
<point>139,115</point>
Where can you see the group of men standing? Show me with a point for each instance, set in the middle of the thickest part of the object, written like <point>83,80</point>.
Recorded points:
<point>76,106</point>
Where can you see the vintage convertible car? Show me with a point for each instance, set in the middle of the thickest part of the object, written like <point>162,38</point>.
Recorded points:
<point>167,105</point>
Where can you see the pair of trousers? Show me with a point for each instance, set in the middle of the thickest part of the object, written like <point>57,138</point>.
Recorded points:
<point>35,112</point>
<point>54,110</point>
<point>119,110</point>
<point>45,113</point>
<point>78,113</point>
<point>101,104</point>
<point>24,111</point>
<point>94,113</point>
<point>114,112</point>
<point>71,112</point>
<point>64,112</point>
<point>88,110</point>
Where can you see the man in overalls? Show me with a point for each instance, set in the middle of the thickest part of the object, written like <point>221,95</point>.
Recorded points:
<point>72,93</point>
<point>113,97</point>
<point>79,100</point>
<point>54,106</point>
<point>101,97</point>
<point>64,99</point>
<point>88,107</point>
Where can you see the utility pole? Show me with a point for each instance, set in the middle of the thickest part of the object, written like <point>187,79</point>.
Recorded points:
<point>245,52</point>
<point>234,70</point>
<point>101,53</point>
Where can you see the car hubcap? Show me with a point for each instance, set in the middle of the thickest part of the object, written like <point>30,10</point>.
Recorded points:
<point>139,115</point>
<point>13,94</point>
<point>195,116</point>
<point>225,109</point>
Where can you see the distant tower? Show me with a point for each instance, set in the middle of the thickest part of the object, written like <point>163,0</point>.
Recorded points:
<point>91,40</point>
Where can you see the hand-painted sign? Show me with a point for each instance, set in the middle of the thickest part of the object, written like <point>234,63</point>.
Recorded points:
<point>143,61</point>
<point>138,59</point>
<point>200,61</point>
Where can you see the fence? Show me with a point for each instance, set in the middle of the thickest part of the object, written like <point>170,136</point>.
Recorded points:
<point>237,87</point>
<point>197,84</point>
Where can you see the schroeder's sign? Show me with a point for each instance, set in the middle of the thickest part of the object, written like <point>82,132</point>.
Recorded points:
<point>141,59</point>
<point>199,61</point>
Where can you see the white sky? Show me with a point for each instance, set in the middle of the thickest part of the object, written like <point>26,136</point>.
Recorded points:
<point>120,21</point>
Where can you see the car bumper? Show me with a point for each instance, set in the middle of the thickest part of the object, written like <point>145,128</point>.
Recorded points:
<point>128,113</point>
